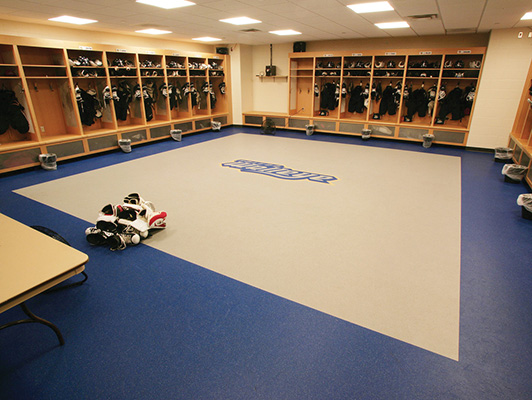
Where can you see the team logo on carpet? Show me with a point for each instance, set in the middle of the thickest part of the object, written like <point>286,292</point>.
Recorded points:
<point>277,171</point>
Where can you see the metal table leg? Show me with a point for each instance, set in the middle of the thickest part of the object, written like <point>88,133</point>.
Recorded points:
<point>33,318</point>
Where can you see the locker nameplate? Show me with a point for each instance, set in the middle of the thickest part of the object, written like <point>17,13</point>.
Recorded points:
<point>425,53</point>
<point>121,50</point>
<point>356,54</point>
<point>464,52</point>
<point>390,53</point>
<point>85,47</point>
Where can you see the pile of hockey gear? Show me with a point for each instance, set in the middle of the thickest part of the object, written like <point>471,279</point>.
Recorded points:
<point>11,113</point>
<point>126,224</point>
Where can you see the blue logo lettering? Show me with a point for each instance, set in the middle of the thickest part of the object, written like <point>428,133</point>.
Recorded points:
<point>278,171</point>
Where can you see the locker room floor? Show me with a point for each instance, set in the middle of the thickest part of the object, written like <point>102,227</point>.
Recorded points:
<point>148,324</point>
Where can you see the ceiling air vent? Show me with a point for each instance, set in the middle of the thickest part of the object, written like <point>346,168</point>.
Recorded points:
<point>423,17</point>
<point>460,31</point>
<point>250,30</point>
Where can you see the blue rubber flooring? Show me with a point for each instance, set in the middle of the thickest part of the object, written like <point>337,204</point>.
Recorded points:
<point>147,325</point>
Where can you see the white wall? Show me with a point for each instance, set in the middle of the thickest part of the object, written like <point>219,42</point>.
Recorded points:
<point>241,76</point>
<point>270,94</point>
<point>503,80</point>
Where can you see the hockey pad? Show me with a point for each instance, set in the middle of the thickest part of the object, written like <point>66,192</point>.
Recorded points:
<point>96,237</point>
<point>157,220</point>
<point>116,242</point>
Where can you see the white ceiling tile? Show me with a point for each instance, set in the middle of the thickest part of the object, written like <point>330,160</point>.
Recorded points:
<point>415,7</point>
<point>460,14</point>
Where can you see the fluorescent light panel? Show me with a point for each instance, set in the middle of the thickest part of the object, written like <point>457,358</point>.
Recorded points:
<point>152,31</point>
<point>167,4</point>
<point>207,39</point>
<point>241,21</point>
<point>393,25</point>
<point>528,15</point>
<point>72,20</point>
<point>371,7</point>
<point>286,32</point>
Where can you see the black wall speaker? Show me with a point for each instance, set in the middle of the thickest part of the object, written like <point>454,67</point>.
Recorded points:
<point>300,47</point>
<point>270,70</point>
<point>222,50</point>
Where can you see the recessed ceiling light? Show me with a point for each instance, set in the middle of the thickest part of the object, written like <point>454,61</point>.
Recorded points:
<point>72,20</point>
<point>241,21</point>
<point>371,7</point>
<point>528,15</point>
<point>207,39</point>
<point>153,31</point>
<point>286,32</point>
<point>167,4</point>
<point>393,25</point>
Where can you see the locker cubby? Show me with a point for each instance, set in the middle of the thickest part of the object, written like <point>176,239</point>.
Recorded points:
<point>199,98</point>
<point>220,105</point>
<point>41,56</point>
<point>160,107</point>
<point>96,87</point>
<point>151,62</point>
<point>54,108</point>
<point>328,66</point>
<point>202,124</point>
<point>383,106</point>
<point>9,71</point>
<point>12,136</point>
<point>389,66</point>
<point>197,67</point>
<point>357,67</point>
<point>462,66</point>
<point>448,117</point>
<point>423,66</point>
<point>122,64</point>
<point>160,131</point>
<point>410,107</point>
<point>86,64</point>
<point>353,104</point>
<point>132,114</point>
<point>176,66</point>
<point>7,55</point>
<point>301,96</point>
<point>216,67</point>
<point>184,127</point>
<point>302,64</point>
<point>179,103</point>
